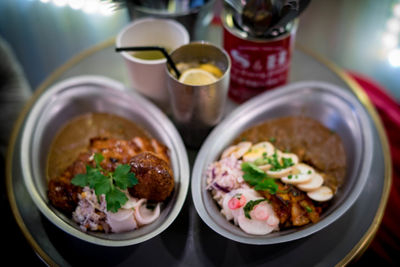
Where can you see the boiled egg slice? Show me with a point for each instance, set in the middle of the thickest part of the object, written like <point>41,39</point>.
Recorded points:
<point>237,150</point>
<point>279,173</point>
<point>267,146</point>
<point>301,173</point>
<point>258,151</point>
<point>293,157</point>
<point>321,194</point>
<point>316,182</point>
<point>286,171</point>
<point>265,167</point>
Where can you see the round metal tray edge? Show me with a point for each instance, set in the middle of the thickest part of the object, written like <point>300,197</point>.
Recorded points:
<point>357,250</point>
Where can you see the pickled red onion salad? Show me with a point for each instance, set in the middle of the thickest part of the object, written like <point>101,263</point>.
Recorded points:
<point>260,188</point>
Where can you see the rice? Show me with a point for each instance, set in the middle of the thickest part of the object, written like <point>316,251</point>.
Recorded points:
<point>90,214</point>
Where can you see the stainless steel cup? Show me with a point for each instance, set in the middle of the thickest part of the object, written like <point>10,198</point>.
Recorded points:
<point>196,109</point>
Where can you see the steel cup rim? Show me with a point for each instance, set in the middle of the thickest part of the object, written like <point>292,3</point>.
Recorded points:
<point>207,43</point>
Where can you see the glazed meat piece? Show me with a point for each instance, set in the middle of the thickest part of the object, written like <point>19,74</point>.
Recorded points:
<point>121,151</point>
<point>154,175</point>
<point>292,206</point>
<point>63,195</point>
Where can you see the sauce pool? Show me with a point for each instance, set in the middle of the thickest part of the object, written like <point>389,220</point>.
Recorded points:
<point>74,137</point>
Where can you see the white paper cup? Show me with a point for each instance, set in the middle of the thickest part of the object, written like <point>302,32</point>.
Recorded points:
<point>148,77</point>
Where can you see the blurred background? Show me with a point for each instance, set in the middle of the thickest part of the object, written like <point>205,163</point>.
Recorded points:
<point>358,35</point>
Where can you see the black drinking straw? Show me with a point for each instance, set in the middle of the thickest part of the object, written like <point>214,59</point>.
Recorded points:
<point>148,48</point>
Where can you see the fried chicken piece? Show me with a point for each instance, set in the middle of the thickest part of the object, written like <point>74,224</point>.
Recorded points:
<point>64,196</point>
<point>155,177</point>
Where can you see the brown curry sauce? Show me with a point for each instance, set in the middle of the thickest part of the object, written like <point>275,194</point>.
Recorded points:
<point>75,136</point>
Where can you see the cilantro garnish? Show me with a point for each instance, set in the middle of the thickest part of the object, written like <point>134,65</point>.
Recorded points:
<point>107,183</point>
<point>287,162</point>
<point>250,206</point>
<point>276,165</point>
<point>258,178</point>
<point>274,162</point>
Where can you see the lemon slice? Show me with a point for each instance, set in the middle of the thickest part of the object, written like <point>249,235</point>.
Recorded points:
<point>197,77</point>
<point>211,69</point>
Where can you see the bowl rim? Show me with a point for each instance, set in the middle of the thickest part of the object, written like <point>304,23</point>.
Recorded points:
<point>365,164</point>
<point>156,114</point>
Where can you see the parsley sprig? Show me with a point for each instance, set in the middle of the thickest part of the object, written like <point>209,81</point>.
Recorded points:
<point>107,183</point>
<point>258,178</point>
